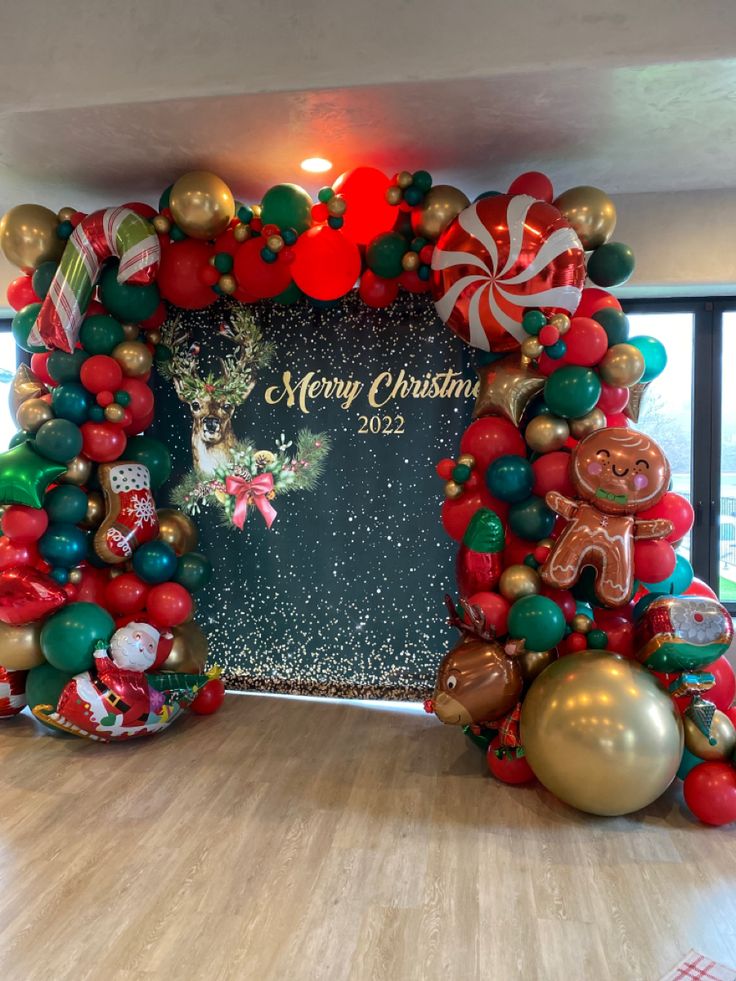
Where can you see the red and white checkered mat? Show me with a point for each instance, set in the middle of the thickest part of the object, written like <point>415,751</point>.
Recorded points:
<point>698,967</point>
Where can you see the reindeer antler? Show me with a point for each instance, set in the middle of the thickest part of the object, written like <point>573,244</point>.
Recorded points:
<point>183,367</point>
<point>253,352</point>
<point>474,622</point>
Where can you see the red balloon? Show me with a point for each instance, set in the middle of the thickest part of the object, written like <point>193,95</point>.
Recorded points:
<point>375,291</point>
<point>326,263</point>
<point>258,278</point>
<point>617,420</point>
<point>125,594</point>
<point>155,320</point>
<point>699,588</point>
<point>722,694</point>
<point>653,560</point>
<point>534,183</point>
<point>12,554</point>
<point>613,398</point>
<point>604,615</point>
<point>586,342</point>
<point>169,604</point>
<point>141,397</point>
<point>368,212</point>
<point>142,209</point>
<point>710,792</point>
<point>209,698</point>
<point>509,768</point>
<point>39,363</point>
<point>411,281</point>
<point>495,609</point>
<point>23,525</point>
<point>27,595</point>
<point>94,309</point>
<point>563,598</point>
<point>456,513</point>
<point>92,587</point>
<point>178,274</point>
<point>226,242</point>
<point>620,634</point>
<point>102,441</point>
<point>552,472</point>
<point>133,426</point>
<point>489,438</point>
<point>515,550</point>
<point>20,293</point>
<point>595,299</point>
<point>101,373</point>
<point>676,509</point>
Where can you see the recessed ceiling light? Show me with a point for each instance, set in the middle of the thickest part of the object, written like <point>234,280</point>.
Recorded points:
<point>316,165</point>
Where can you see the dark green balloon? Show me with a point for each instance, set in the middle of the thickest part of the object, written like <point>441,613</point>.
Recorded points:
<point>42,278</point>
<point>163,201</point>
<point>44,685</point>
<point>287,206</point>
<point>572,391</point>
<point>100,334</point>
<point>510,478</point>
<point>153,454</point>
<point>65,367</point>
<point>615,323</point>
<point>69,636</point>
<point>22,325</point>
<point>538,620</point>
<point>63,545</point>
<point>66,503</point>
<point>292,294</point>
<point>71,401</point>
<point>20,437</point>
<point>611,265</point>
<point>193,571</point>
<point>25,475</point>
<point>531,519</point>
<point>384,254</point>
<point>155,562</point>
<point>59,439</point>
<point>129,304</point>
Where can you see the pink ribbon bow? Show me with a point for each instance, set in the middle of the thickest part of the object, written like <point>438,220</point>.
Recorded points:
<point>254,492</point>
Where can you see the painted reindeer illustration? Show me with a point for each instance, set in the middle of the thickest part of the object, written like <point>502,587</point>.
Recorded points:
<point>212,399</point>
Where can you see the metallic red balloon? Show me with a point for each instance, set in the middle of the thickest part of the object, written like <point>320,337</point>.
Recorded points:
<point>12,692</point>
<point>500,257</point>
<point>27,594</point>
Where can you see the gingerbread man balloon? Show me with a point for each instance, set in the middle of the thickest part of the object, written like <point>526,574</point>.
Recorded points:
<point>617,473</point>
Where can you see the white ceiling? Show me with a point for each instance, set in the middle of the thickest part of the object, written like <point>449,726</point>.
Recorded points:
<point>100,103</point>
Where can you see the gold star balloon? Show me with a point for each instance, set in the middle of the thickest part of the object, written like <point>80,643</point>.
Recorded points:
<point>507,386</point>
<point>25,385</point>
<point>636,400</point>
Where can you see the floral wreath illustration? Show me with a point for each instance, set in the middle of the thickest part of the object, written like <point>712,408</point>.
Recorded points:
<point>233,474</point>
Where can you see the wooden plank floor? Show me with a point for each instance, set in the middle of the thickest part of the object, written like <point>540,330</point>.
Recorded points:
<point>286,839</point>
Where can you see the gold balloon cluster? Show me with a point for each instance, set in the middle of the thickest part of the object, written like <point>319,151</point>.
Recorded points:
<point>591,213</point>
<point>28,236</point>
<point>201,204</point>
<point>177,530</point>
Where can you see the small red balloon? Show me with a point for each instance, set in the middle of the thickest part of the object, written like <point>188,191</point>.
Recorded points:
<point>141,397</point>
<point>457,512</point>
<point>710,792</point>
<point>508,767</point>
<point>489,438</point>
<point>375,291</point>
<point>169,604</point>
<point>15,554</point>
<point>125,594</point>
<point>411,281</point>
<point>495,609</point>
<point>103,442</point>
<point>617,420</point>
<point>699,588</point>
<point>552,473</point>
<point>23,525</point>
<point>594,299</point>
<point>91,589</point>
<point>675,508</point>
<point>613,398</point>
<point>620,634</point>
<point>653,560</point>
<point>535,184</point>
<point>178,274</point>
<point>515,550</point>
<point>156,319</point>
<point>563,598</point>
<point>142,209</point>
<point>257,277</point>
<point>20,293</point>
<point>39,367</point>
<point>210,698</point>
<point>326,263</point>
<point>101,373</point>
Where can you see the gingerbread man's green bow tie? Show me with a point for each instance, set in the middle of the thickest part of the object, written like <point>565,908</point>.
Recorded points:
<point>616,498</point>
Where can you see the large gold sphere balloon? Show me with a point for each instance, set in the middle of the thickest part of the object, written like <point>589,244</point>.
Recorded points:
<point>28,236</point>
<point>591,213</point>
<point>533,663</point>
<point>721,730</point>
<point>441,204</point>
<point>177,530</point>
<point>133,357</point>
<point>189,651</point>
<point>20,647</point>
<point>519,580</point>
<point>202,204</point>
<point>25,385</point>
<point>622,365</point>
<point>601,733</point>
<point>78,471</point>
<point>33,413</point>
<point>546,433</point>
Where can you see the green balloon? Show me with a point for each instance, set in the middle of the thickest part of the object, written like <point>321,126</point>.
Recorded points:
<point>193,571</point>
<point>384,254</point>
<point>163,201</point>
<point>531,519</point>
<point>25,475</point>
<point>22,325</point>
<point>154,562</point>
<point>654,354</point>
<point>71,401</point>
<point>292,294</point>
<point>129,304</point>
<point>20,437</point>
<point>572,391</point>
<point>153,454</point>
<point>63,545</point>
<point>66,503</point>
<point>510,478</point>
<point>42,278</point>
<point>611,265</point>
<point>615,323</point>
<point>59,440</point>
<point>69,636</point>
<point>65,367</point>
<point>287,206</point>
<point>100,334</point>
<point>538,620</point>
<point>45,684</point>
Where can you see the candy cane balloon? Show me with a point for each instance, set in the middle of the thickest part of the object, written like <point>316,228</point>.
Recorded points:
<point>500,257</point>
<point>114,232</point>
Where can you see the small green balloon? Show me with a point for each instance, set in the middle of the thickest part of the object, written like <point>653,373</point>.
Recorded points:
<point>292,294</point>
<point>615,323</point>
<point>422,179</point>
<point>129,304</point>
<point>654,354</point>
<point>42,278</point>
<point>44,685</point>
<point>69,636</point>
<point>22,324</point>
<point>100,334</point>
<point>688,761</point>
<point>71,401</point>
<point>597,640</point>
<point>193,571</point>
<point>538,621</point>
<point>384,254</point>
<point>59,440</point>
<point>153,454</point>
<point>572,391</point>
<point>510,478</point>
<point>25,475</point>
<point>63,545</point>
<point>533,321</point>
<point>154,562</point>
<point>163,201</point>
<point>65,367</point>
<point>531,519</point>
<point>287,206</point>
<point>611,265</point>
<point>66,503</point>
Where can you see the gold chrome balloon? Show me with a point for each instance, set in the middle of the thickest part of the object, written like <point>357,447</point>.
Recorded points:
<point>410,261</point>
<point>189,650</point>
<point>442,203</point>
<point>546,433</point>
<point>531,347</point>
<point>591,213</point>
<point>393,194</point>
<point>114,412</point>
<point>581,623</point>
<point>519,580</point>
<point>601,733</point>
<point>561,321</point>
<point>227,283</point>
<point>132,332</point>
<point>25,385</point>
<point>404,179</point>
<point>202,204</point>
<point>594,420</point>
<point>133,357</point>
<point>721,729</point>
<point>78,471</point>
<point>66,214</point>
<point>534,662</point>
<point>95,510</point>
<point>453,490</point>
<point>622,365</point>
<point>177,530</point>
<point>33,413</point>
<point>20,647</point>
<point>467,460</point>
<point>28,236</point>
<point>241,233</point>
<point>162,224</point>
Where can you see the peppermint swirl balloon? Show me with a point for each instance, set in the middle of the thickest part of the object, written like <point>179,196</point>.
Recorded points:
<point>500,257</point>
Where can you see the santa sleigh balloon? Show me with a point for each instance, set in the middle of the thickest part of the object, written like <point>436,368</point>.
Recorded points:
<point>117,699</point>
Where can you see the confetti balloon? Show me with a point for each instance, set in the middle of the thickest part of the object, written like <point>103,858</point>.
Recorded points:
<point>498,258</point>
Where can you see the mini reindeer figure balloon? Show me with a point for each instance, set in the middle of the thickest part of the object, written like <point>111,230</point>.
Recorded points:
<point>617,473</point>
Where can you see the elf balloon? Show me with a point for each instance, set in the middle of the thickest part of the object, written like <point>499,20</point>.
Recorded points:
<point>617,473</point>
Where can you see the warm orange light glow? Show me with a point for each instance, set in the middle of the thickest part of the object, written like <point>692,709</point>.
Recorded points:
<point>316,165</point>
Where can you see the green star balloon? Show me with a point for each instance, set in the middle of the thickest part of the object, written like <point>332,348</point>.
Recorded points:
<point>25,476</point>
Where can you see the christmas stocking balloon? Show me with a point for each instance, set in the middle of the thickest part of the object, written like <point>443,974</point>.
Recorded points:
<point>131,516</point>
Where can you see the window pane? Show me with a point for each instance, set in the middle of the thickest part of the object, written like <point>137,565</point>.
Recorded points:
<point>727,522</point>
<point>7,370</point>
<point>667,406</point>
